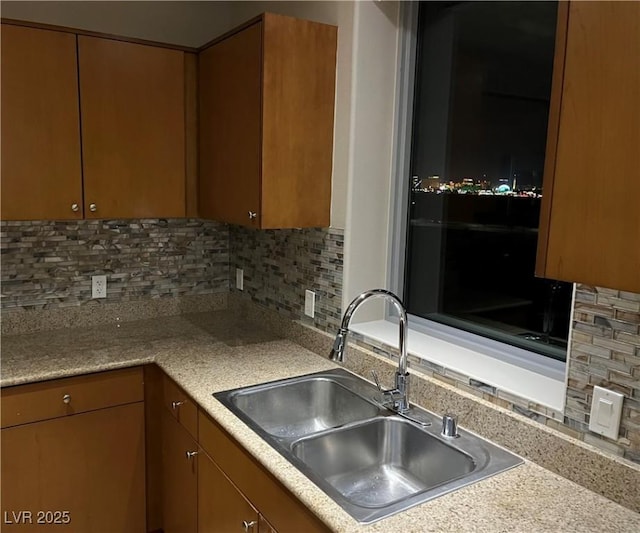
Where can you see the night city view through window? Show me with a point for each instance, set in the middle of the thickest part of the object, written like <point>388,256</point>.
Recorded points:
<point>481,104</point>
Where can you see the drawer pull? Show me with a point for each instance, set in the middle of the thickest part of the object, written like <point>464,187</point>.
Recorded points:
<point>66,398</point>
<point>175,405</point>
<point>249,525</point>
<point>191,455</point>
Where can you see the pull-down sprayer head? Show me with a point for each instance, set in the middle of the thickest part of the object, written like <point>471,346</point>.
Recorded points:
<point>337,352</point>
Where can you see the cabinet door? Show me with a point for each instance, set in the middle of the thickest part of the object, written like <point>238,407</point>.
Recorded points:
<point>230,125</point>
<point>180,405</point>
<point>264,526</point>
<point>282,510</point>
<point>221,507</point>
<point>41,174</point>
<point>297,129</point>
<point>592,189</point>
<point>179,478</point>
<point>133,129</point>
<point>91,465</point>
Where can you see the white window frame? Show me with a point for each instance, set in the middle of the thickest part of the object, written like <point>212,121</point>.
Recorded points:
<point>510,369</point>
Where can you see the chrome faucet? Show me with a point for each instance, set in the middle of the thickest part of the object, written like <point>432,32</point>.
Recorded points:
<point>400,394</point>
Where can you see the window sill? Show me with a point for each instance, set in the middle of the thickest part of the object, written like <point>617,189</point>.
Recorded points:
<point>505,376</point>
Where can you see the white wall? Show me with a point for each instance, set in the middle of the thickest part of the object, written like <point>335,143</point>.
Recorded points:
<point>182,23</point>
<point>372,132</point>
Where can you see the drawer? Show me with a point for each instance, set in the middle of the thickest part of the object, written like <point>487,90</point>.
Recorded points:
<point>180,405</point>
<point>69,396</point>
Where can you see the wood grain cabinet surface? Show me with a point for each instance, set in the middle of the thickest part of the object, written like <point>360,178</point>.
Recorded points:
<point>590,222</point>
<point>132,100</point>
<point>180,405</point>
<point>221,506</point>
<point>179,477</point>
<point>69,396</point>
<point>81,471</point>
<point>117,457</point>
<point>218,489</point>
<point>278,509</point>
<point>40,160</point>
<point>266,94</point>
<point>95,127</point>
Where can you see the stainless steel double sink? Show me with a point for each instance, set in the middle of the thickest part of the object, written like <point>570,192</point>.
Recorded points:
<point>370,460</point>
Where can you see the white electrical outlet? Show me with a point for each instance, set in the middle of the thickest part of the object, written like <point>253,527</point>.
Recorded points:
<point>99,286</point>
<point>239,279</point>
<point>310,303</point>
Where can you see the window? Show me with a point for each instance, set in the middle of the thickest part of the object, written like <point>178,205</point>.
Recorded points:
<point>481,90</point>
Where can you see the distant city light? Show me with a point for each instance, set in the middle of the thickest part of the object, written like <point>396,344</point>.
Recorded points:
<point>481,187</point>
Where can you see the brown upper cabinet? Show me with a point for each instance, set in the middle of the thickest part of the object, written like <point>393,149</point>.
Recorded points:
<point>133,129</point>
<point>41,165</point>
<point>590,222</point>
<point>266,94</point>
<point>95,127</point>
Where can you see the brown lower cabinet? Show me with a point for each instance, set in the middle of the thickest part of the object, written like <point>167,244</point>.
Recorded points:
<point>221,506</point>
<point>73,454</point>
<point>179,478</point>
<point>278,510</point>
<point>219,489</point>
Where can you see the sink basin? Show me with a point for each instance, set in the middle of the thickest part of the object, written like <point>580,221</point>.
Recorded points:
<point>382,461</point>
<point>301,407</point>
<point>371,461</point>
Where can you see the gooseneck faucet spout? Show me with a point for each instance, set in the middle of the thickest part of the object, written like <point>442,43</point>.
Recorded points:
<point>401,403</point>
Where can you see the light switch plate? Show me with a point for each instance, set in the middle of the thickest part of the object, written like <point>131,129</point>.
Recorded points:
<point>309,303</point>
<point>239,279</point>
<point>606,409</point>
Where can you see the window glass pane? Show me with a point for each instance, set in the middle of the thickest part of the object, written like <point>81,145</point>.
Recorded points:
<point>483,83</point>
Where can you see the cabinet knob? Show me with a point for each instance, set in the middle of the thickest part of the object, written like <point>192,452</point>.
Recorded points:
<point>191,455</point>
<point>175,405</point>
<point>249,525</point>
<point>93,207</point>
<point>252,215</point>
<point>75,208</point>
<point>66,398</point>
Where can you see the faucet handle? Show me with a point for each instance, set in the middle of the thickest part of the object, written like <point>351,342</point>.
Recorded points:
<point>377,381</point>
<point>391,392</point>
<point>391,401</point>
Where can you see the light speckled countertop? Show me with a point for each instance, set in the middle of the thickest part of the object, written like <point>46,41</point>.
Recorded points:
<point>207,353</point>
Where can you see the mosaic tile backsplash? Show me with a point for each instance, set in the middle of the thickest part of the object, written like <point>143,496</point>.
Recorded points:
<point>605,351</point>
<point>279,265</point>
<point>49,264</point>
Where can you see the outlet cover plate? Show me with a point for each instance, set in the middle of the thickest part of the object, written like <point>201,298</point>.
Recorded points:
<point>99,286</point>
